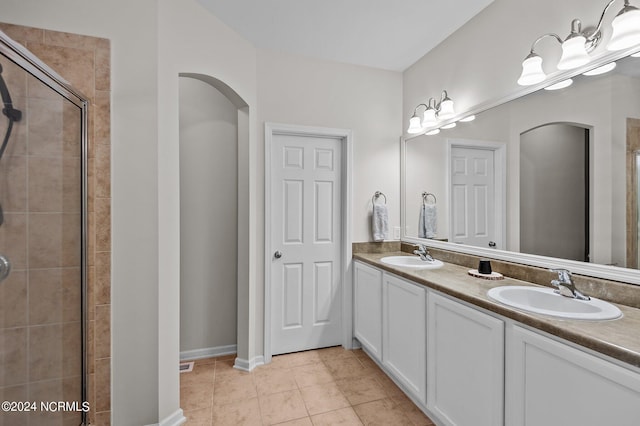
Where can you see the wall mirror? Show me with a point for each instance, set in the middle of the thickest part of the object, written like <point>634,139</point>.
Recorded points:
<point>548,178</point>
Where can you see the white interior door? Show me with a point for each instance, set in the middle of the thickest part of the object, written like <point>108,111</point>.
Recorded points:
<point>305,187</point>
<point>473,192</point>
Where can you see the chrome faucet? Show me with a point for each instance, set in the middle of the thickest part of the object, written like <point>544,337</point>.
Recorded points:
<point>565,285</point>
<point>423,252</point>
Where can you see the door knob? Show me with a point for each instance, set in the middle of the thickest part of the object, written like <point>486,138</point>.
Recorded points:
<point>277,254</point>
<point>492,244</point>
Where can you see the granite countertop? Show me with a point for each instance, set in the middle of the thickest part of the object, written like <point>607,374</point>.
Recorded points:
<point>619,339</point>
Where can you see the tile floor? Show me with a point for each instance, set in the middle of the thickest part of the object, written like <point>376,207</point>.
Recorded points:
<point>329,386</point>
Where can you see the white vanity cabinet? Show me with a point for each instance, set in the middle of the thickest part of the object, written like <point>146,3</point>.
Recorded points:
<point>552,383</point>
<point>367,308</point>
<point>404,333</point>
<point>465,364</point>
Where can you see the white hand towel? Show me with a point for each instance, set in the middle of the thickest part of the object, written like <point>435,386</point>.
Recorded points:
<point>380,222</point>
<point>428,221</point>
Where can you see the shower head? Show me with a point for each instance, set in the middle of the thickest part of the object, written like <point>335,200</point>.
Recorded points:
<point>8,110</point>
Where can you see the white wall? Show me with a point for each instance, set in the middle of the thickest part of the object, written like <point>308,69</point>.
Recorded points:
<point>208,217</point>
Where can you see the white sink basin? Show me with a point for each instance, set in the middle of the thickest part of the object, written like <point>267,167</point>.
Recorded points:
<point>411,262</point>
<point>541,300</point>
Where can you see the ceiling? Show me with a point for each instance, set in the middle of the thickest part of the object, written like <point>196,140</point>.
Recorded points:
<point>387,34</point>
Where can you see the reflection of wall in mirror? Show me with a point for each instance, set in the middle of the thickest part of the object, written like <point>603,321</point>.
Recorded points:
<point>553,191</point>
<point>592,102</point>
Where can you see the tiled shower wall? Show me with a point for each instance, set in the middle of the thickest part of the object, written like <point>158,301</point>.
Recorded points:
<point>85,63</point>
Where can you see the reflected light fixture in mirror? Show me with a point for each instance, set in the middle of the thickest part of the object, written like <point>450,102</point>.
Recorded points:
<point>578,44</point>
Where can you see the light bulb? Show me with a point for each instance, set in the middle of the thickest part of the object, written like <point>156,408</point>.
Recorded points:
<point>574,53</point>
<point>414,125</point>
<point>449,126</point>
<point>432,132</point>
<point>446,109</point>
<point>626,29</point>
<point>429,119</point>
<point>468,118</point>
<point>532,72</point>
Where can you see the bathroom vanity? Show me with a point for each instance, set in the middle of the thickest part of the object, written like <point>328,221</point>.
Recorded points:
<point>465,359</point>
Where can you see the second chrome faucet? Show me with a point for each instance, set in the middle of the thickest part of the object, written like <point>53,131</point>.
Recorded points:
<point>423,252</point>
<point>565,285</point>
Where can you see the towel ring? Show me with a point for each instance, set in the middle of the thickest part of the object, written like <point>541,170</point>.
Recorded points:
<point>425,195</point>
<point>377,195</point>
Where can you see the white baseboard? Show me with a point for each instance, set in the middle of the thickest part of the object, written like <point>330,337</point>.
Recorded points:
<point>175,419</point>
<point>208,352</point>
<point>244,365</point>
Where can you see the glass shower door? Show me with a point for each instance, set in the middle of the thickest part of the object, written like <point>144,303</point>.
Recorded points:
<point>41,242</point>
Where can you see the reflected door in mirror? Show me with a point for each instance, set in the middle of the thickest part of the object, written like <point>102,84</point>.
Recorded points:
<point>473,196</point>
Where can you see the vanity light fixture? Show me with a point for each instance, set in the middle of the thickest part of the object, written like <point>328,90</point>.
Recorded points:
<point>579,43</point>
<point>433,112</point>
<point>468,119</point>
<point>432,132</point>
<point>449,126</point>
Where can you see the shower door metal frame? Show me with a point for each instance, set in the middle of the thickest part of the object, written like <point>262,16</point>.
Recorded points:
<point>34,66</point>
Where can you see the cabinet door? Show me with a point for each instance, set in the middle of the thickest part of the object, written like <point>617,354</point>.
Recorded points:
<point>368,308</point>
<point>465,364</point>
<point>404,333</point>
<point>551,383</point>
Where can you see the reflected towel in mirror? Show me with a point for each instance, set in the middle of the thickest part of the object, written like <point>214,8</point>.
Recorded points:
<point>428,221</point>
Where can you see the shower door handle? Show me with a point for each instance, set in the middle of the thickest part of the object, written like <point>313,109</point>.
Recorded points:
<point>5,268</point>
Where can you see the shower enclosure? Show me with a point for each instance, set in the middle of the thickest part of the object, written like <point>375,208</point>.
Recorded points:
<point>43,128</point>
